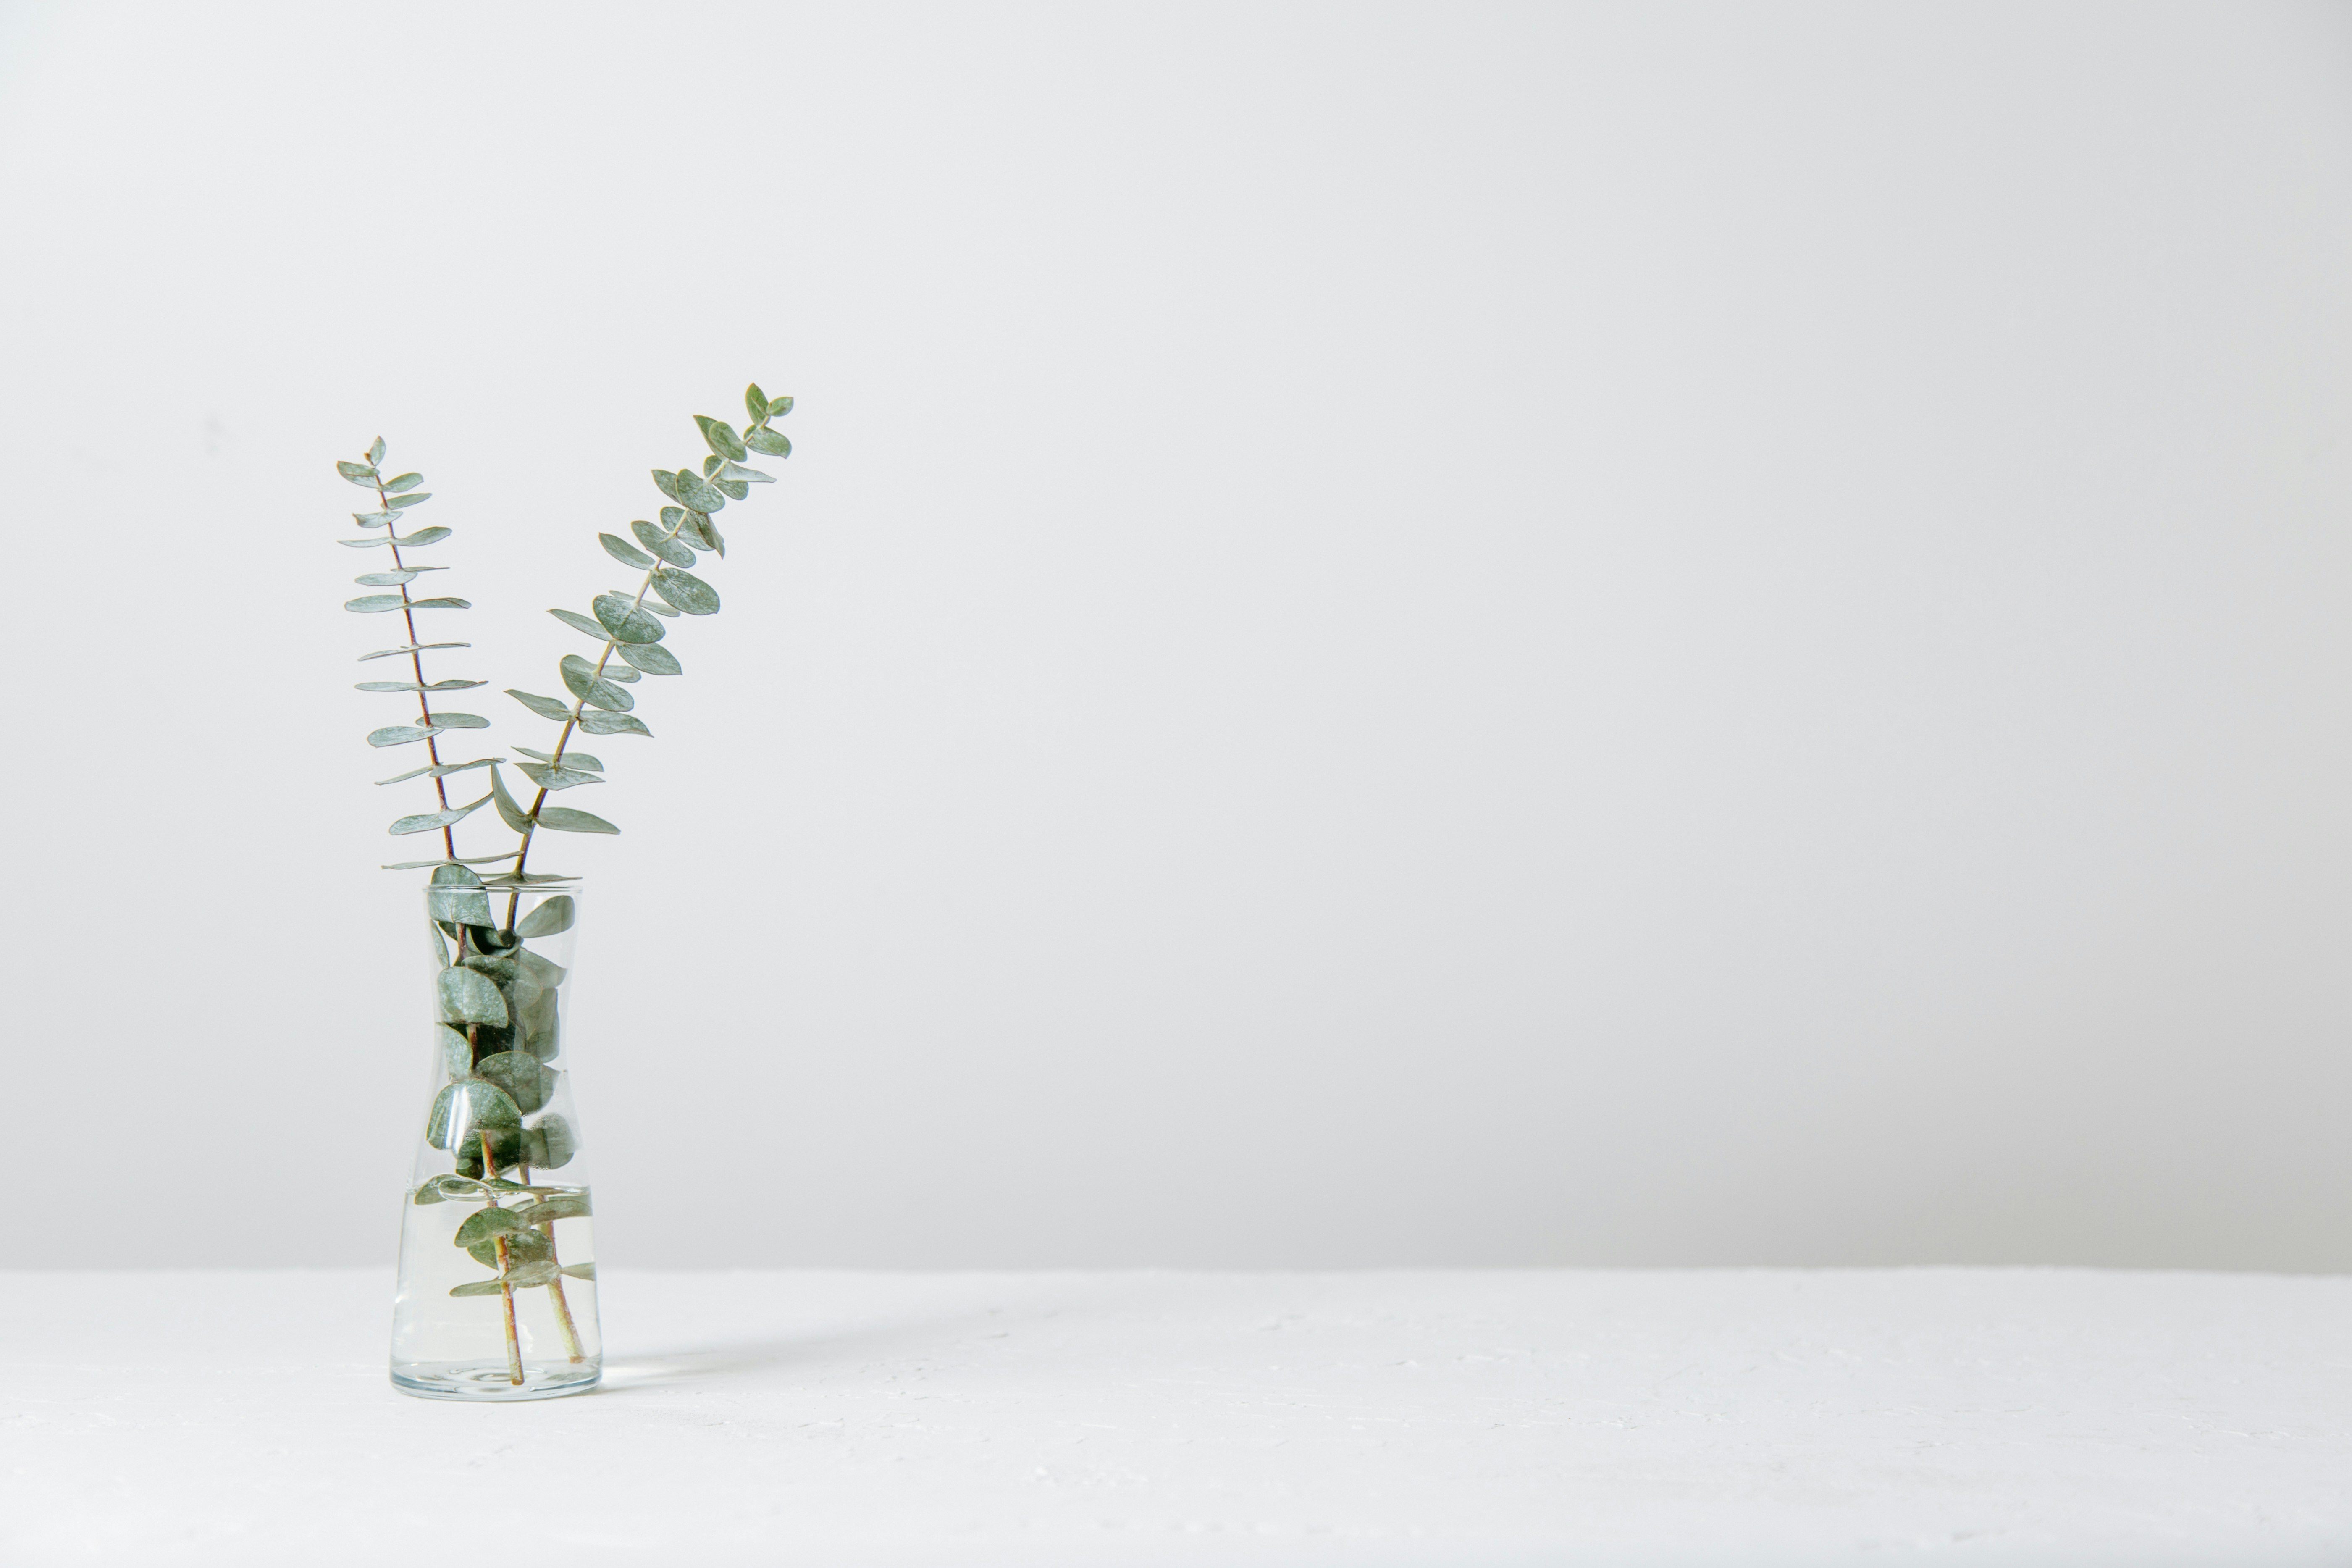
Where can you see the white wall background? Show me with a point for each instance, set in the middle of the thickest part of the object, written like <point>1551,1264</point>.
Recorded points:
<point>1615,635</point>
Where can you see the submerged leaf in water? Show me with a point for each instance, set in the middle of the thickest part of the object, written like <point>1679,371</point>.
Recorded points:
<point>469,998</point>
<point>464,1108</point>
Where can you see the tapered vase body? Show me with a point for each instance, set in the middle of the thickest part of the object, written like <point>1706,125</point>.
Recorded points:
<point>497,1298</point>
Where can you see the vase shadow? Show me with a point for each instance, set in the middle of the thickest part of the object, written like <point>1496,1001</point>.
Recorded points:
<point>821,1348</point>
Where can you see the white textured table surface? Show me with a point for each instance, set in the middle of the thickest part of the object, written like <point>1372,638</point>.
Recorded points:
<point>1408,1417</point>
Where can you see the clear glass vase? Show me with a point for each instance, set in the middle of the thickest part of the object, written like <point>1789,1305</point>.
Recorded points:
<point>497,1297</point>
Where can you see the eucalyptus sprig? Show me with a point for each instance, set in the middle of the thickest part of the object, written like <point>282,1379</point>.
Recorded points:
<point>630,625</point>
<point>394,498</point>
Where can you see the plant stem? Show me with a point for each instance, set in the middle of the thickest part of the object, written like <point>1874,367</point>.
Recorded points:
<point>417,662</point>
<point>506,1294</point>
<point>555,1292</point>
<point>505,1291</point>
<point>561,739</point>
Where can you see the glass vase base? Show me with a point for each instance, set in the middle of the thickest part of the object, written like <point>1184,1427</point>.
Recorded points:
<point>492,1381</point>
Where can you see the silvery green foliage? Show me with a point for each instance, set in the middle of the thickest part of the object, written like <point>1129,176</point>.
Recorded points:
<point>394,496</point>
<point>628,625</point>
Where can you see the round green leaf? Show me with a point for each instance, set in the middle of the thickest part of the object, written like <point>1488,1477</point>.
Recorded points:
<point>489,1222</point>
<point>624,621</point>
<point>522,1276</point>
<point>651,657</point>
<point>526,1082</point>
<point>687,592</point>
<point>555,915</point>
<point>562,1205</point>
<point>524,1246</point>
<point>470,998</point>
<point>423,536</point>
<point>584,683</point>
<point>464,1109</point>
<point>373,604</point>
<point>772,442</point>
<point>553,1141</point>
<point>658,539</point>
<point>622,551</point>
<point>610,725</point>
<point>457,1051</point>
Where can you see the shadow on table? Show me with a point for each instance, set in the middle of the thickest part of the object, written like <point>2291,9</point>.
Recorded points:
<point>907,1338</point>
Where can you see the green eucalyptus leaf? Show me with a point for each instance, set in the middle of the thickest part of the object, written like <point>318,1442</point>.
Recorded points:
<point>657,539</point>
<point>772,442</point>
<point>386,579</point>
<point>733,490</point>
<point>711,465</point>
<point>743,476</point>
<point>722,438</point>
<point>613,724</point>
<point>552,916</point>
<point>411,647</point>
<point>456,1187</point>
<point>454,876</point>
<point>582,1272</point>
<point>667,482</point>
<point>524,1246</point>
<point>440,947</point>
<point>464,1108</point>
<point>585,684</point>
<point>622,551</point>
<point>509,1147</point>
<point>500,969</point>
<point>564,820</point>
<point>430,1192</point>
<point>651,657</point>
<point>422,537</point>
<point>522,1276</point>
<point>373,604</point>
<point>526,1082</point>
<point>541,1007</point>
<point>441,603</point>
<point>755,403</point>
<point>707,534</point>
<point>413,686</point>
<point>545,707</point>
<point>457,1051</point>
<point>580,623</point>
<point>563,1205</point>
<point>486,1226</point>
<point>510,811</point>
<point>400,734</point>
<point>362,543</point>
<point>440,771</point>
<point>417,498</point>
<point>404,482</point>
<point>375,519</point>
<point>695,492</point>
<point>469,998</point>
<point>553,1141</point>
<point>460,906</point>
<point>433,821</point>
<point>358,473</point>
<point>624,673</point>
<point>572,759</point>
<point>624,621</point>
<point>375,452</point>
<point>460,720</point>
<point>479,1288</point>
<point>548,778</point>
<point>687,592</point>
